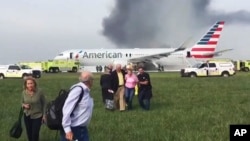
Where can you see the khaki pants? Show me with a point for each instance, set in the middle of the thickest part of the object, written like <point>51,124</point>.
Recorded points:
<point>119,98</point>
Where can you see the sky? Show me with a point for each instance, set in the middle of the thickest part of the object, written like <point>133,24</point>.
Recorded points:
<point>39,30</point>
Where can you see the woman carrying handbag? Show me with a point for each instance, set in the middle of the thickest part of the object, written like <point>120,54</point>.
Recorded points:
<point>34,105</point>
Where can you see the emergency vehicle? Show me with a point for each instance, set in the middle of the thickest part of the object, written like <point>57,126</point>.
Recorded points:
<point>223,68</point>
<point>56,66</point>
<point>241,65</point>
<point>33,65</point>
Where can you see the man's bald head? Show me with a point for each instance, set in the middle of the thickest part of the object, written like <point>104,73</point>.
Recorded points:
<point>86,76</point>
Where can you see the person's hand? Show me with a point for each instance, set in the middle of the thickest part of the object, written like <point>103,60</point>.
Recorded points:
<point>69,136</point>
<point>44,119</point>
<point>26,106</point>
<point>111,91</point>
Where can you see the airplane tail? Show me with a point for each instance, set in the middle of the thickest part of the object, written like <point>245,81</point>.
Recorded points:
<point>205,47</point>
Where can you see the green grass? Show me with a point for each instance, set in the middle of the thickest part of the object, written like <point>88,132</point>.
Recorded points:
<point>182,109</point>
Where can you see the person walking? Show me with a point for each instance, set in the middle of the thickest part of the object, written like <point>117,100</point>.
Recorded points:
<point>75,123</point>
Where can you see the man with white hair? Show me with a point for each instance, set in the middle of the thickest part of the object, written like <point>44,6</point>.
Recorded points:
<point>77,117</point>
<point>117,82</point>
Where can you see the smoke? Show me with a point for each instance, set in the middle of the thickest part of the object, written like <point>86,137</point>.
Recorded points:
<point>149,23</point>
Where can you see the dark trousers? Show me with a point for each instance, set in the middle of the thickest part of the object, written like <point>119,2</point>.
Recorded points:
<point>106,95</point>
<point>144,99</point>
<point>79,134</point>
<point>32,127</point>
<point>103,95</point>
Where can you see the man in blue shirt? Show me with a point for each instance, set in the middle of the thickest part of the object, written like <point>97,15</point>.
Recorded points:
<point>75,124</point>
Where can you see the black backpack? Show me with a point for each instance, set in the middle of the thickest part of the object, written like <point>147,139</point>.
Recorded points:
<point>54,109</point>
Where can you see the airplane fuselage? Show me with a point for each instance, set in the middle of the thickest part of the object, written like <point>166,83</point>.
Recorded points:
<point>93,57</point>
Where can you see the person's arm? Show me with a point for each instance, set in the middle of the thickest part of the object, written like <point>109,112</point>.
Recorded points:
<point>22,100</point>
<point>68,107</point>
<point>136,78</point>
<point>112,79</point>
<point>43,102</point>
<point>147,79</point>
<point>144,82</point>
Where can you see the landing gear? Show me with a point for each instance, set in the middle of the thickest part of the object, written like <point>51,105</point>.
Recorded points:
<point>160,68</point>
<point>99,68</point>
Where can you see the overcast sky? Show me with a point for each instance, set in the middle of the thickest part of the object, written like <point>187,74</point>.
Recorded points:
<point>32,30</point>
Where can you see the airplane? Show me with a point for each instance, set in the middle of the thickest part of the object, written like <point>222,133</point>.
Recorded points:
<point>159,57</point>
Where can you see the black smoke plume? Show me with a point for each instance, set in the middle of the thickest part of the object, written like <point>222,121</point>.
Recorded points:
<point>153,23</point>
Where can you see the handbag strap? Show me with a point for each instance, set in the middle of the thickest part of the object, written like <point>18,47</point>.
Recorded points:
<point>20,114</point>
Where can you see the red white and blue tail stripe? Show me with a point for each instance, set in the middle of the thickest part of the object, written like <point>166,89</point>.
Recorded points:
<point>205,47</point>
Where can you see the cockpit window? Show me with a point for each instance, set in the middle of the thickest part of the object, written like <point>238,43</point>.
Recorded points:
<point>60,54</point>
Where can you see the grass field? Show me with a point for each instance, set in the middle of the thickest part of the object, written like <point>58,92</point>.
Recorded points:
<point>182,109</point>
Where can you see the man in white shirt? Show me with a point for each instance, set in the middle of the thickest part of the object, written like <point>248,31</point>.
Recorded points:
<point>75,123</point>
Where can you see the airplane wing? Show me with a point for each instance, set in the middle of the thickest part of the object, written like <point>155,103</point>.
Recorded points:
<point>217,53</point>
<point>149,58</point>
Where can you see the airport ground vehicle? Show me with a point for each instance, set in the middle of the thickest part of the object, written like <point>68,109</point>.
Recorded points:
<point>223,68</point>
<point>16,71</point>
<point>33,65</point>
<point>54,66</point>
<point>35,72</point>
<point>241,65</point>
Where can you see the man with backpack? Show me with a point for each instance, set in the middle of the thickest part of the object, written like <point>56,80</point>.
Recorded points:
<point>77,114</point>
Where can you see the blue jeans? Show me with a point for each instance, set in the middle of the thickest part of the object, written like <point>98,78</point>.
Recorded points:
<point>79,134</point>
<point>129,94</point>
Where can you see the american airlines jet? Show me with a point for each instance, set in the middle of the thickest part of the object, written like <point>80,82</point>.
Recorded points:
<point>159,57</point>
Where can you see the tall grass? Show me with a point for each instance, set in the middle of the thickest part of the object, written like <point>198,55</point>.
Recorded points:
<point>182,109</point>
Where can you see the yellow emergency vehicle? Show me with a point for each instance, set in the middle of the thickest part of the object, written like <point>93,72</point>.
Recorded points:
<point>54,66</point>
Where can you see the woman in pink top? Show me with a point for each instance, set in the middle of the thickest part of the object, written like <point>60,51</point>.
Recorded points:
<point>130,82</point>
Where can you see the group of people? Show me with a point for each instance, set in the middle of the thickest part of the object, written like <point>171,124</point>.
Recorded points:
<point>74,120</point>
<point>119,85</point>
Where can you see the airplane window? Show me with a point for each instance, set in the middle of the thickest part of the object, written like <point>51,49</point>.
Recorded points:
<point>126,55</point>
<point>129,54</point>
<point>60,54</point>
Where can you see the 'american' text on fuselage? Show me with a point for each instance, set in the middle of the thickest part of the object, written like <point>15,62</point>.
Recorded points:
<point>102,55</point>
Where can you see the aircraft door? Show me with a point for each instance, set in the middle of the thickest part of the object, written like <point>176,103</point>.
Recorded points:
<point>71,55</point>
<point>188,54</point>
